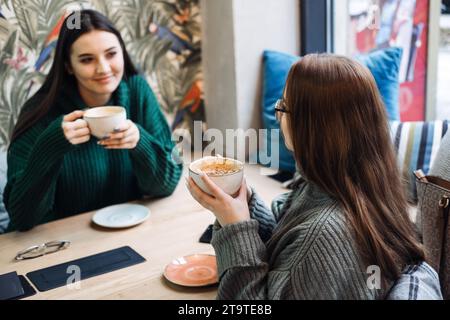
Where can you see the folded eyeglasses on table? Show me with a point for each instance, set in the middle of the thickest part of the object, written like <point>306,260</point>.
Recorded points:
<point>42,249</point>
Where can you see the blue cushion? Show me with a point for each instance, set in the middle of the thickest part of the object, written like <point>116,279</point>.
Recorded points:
<point>385,66</point>
<point>276,69</point>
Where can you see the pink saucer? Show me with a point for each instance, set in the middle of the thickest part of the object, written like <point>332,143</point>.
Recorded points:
<point>193,271</point>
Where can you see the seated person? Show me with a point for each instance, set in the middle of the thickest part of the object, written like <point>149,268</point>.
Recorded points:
<point>55,168</point>
<point>441,164</point>
<point>344,231</point>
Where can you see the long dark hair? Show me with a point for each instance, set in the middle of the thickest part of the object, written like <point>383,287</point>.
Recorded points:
<point>58,76</point>
<point>341,140</point>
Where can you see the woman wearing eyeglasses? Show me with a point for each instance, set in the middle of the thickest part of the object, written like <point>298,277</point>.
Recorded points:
<point>55,168</point>
<point>344,231</point>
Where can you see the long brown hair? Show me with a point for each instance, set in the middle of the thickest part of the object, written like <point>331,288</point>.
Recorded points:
<point>341,141</point>
<point>58,76</point>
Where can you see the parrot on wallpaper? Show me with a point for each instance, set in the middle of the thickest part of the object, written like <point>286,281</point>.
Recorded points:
<point>181,11</point>
<point>179,41</point>
<point>49,45</point>
<point>182,16</point>
<point>190,103</point>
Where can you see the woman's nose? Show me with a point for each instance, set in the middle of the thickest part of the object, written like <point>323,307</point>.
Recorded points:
<point>103,66</point>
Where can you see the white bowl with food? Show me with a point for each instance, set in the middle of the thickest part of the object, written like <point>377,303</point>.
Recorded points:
<point>226,173</point>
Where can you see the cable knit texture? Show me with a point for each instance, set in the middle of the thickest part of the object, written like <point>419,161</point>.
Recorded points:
<point>301,249</point>
<point>49,178</point>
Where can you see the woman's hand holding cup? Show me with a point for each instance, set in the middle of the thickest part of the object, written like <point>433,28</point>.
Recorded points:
<point>76,129</point>
<point>227,209</point>
<point>125,136</point>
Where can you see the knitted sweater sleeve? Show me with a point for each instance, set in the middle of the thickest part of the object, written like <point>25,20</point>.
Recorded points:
<point>317,262</point>
<point>266,217</point>
<point>331,268</point>
<point>34,160</point>
<point>155,160</point>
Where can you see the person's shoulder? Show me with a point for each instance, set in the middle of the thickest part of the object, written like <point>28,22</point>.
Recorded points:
<point>306,222</point>
<point>335,226</point>
<point>327,222</point>
<point>416,282</point>
<point>137,82</point>
<point>329,231</point>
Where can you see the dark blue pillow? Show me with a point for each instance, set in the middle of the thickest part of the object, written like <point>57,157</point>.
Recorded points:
<point>276,69</point>
<point>384,65</point>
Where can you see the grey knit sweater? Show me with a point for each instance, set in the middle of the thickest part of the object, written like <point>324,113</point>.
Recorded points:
<point>301,249</point>
<point>441,164</point>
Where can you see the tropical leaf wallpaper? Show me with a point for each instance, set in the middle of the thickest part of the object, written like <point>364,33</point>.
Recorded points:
<point>162,36</point>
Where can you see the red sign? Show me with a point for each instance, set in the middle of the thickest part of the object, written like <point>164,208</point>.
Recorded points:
<point>399,23</point>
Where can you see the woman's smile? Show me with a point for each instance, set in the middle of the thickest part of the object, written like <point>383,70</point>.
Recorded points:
<point>104,79</point>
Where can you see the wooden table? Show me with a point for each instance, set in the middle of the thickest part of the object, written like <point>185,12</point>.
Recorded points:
<point>173,230</point>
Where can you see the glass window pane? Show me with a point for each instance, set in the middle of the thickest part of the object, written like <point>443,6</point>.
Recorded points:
<point>378,24</point>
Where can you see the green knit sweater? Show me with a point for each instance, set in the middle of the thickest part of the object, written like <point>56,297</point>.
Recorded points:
<point>49,178</point>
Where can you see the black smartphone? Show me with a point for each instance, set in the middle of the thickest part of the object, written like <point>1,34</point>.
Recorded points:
<point>27,289</point>
<point>207,235</point>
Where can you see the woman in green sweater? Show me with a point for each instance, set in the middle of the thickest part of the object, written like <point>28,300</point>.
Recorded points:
<point>55,168</point>
<point>344,231</point>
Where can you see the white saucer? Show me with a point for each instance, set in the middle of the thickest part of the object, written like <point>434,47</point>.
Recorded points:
<point>121,215</point>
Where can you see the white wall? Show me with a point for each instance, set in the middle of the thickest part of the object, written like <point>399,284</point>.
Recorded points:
<point>260,25</point>
<point>218,63</point>
<point>235,34</point>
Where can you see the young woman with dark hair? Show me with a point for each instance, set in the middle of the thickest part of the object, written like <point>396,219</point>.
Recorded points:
<point>55,168</point>
<point>344,231</point>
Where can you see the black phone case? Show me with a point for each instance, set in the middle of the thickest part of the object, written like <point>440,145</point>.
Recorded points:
<point>91,266</point>
<point>10,286</point>
<point>207,235</point>
<point>27,288</point>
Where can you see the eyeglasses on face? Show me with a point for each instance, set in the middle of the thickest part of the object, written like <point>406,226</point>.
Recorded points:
<point>42,249</point>
<point>280,108</point>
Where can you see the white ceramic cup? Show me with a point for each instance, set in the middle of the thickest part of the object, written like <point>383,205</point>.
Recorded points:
<point>230,183</point>
<point>103,120</point>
